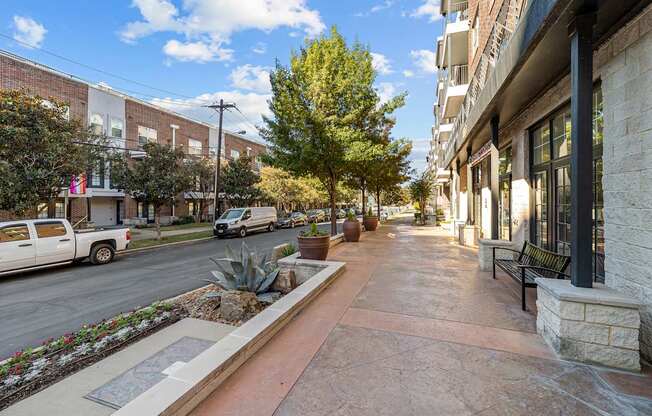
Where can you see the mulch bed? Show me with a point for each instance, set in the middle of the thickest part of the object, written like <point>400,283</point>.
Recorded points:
<point>56,369</point>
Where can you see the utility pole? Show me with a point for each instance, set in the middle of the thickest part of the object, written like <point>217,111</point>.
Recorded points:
<point>220,109</point>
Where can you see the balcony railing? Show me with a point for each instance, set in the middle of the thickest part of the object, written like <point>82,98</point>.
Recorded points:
<point>499,38</point>
<point>457,11</point>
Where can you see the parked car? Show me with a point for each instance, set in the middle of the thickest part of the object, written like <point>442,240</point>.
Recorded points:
<point>36,244</point>
<point>292,220</point>
<point>327,213</point>
<point>316,215</point>
<point>341,214</point>
<point>241,221</point>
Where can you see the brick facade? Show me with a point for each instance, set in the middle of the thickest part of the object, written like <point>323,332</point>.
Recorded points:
<point>140,114</point>
<point>233,142</point>
<point>18,75</point>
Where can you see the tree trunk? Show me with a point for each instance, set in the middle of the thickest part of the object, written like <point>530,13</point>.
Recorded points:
<point>331,194</point>
<point>364,200</point>
<point>157,220</point>
<point>378,201</point>
<point>422,206</point>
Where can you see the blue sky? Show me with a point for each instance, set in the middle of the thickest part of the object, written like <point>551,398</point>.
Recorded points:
<point>184,53</point>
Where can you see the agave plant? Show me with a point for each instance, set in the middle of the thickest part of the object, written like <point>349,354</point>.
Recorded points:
<point>249,272</point>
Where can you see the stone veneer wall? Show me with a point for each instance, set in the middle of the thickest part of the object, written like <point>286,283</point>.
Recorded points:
<point>627,180</point>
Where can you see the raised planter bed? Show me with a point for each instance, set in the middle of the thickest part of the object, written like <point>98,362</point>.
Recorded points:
<point>187,387</point>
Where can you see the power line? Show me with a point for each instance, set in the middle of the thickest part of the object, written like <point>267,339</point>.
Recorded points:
<point>92,68</point>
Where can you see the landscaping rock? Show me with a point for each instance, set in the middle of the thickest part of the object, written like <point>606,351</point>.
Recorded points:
<point>284,282</point>
<point>238,306</point>
<point>269,297</point>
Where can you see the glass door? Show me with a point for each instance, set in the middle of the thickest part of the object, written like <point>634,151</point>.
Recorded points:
<point>540,188</point>
<point>504,204</point>
<point>562,210</point>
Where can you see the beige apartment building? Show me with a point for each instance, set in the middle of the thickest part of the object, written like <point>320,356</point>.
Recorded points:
<point>543,133</point>
<point>128,123</point>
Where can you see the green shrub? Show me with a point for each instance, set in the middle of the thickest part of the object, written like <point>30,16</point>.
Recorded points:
<point>313,232</point>
<point>186,219</point>
<point>288,250</point>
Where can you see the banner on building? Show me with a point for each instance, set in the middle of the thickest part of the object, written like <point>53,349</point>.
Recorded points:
<point>78,185</point>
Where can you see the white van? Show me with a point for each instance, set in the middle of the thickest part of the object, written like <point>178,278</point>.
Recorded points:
<point>241,221</point>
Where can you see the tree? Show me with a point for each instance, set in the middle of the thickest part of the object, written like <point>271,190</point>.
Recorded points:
<point>239,182</point>
<point>156,179</point>
<point>41,150</point>
<point>391,169</point>
<point>202,173</point>
<point>398,195</point>
<point>318,104</point>
<point>420,191</point>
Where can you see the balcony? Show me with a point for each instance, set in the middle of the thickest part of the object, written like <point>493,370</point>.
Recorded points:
<point>455,44</point>
<point>454,90</point>
<point>445,131</point>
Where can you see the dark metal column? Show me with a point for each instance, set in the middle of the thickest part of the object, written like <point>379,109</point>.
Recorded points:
<point>580,32</point>
<point>469,187</point>
<point>493,177</point>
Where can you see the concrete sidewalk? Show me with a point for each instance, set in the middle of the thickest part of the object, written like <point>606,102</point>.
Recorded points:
<point>414,328</point>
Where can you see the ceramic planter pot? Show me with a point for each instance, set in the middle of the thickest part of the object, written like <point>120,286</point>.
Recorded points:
<point>352,230</point>
<point>314,248</point>
<point>370,223</point>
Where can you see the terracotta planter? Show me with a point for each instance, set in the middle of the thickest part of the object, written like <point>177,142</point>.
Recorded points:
<point>314,248</point>
<point>370,223</point>
<point>352,230</point>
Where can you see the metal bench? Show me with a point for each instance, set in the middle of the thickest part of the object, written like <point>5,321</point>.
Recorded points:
<point>531,262</point>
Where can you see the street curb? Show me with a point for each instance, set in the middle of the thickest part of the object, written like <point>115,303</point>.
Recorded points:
<point>178,243</point>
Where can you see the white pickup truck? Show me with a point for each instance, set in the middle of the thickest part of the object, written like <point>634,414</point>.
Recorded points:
<point>35,244</point>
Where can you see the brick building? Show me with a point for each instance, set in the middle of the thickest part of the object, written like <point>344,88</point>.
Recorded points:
<point>517,80</point>
<point>128,123</point>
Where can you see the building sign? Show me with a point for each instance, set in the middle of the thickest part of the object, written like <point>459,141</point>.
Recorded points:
<point>480,154</point>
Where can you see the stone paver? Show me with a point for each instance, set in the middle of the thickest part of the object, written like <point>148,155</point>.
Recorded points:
<point>413,327</point>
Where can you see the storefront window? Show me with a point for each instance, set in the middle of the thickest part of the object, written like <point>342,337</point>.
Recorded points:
<point>551,185</point>
<point>505,191</point>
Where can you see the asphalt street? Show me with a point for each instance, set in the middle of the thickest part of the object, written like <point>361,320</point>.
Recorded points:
<point>49,303</point>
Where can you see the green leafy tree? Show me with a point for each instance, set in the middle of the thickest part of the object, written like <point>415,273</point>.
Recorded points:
<point>391,169</point>
<point>420,191</point>
<point>320,104</point>
<point>202,175</point>
<point>156,179</point>
<point>41,150</point>
<point>239,182</point>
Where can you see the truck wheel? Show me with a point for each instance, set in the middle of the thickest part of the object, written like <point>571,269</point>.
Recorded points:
<point>270,227</point>
<point>243,232</point>
<point>102,254</point>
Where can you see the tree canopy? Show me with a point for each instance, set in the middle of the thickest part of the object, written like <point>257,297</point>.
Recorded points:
<point>155,179</point>
<point>238,182</point>
<point>41,150</point>
<point>420,191</point>
<point>321,104</point>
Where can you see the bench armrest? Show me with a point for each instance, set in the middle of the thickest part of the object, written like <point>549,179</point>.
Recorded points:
<point>544,269</point>
<point>503,248</point>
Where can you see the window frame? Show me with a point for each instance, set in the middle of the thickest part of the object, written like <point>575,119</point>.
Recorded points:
<point>39,223</point>
<point>96,128</point>
<point>122,126</point>
<point>20,224</point>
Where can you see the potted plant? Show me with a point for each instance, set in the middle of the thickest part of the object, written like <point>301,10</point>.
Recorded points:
<point>370,221</point>
<point>314,244</point>
<point>351,228</point>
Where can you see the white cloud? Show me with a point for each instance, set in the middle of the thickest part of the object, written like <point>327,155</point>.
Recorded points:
<point>212,22</point>
<point>425,60</point>
<point>251,78</point>
<point>252,105</point>
<point>420,149</point>
<point>28,31</point>
<point>429,9</point>
<point>260,48</point>
<point>381,63</point>
<point>408,73</point>
<point>197,51</point>
<point>386,91</point>
<point>376,8</point>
